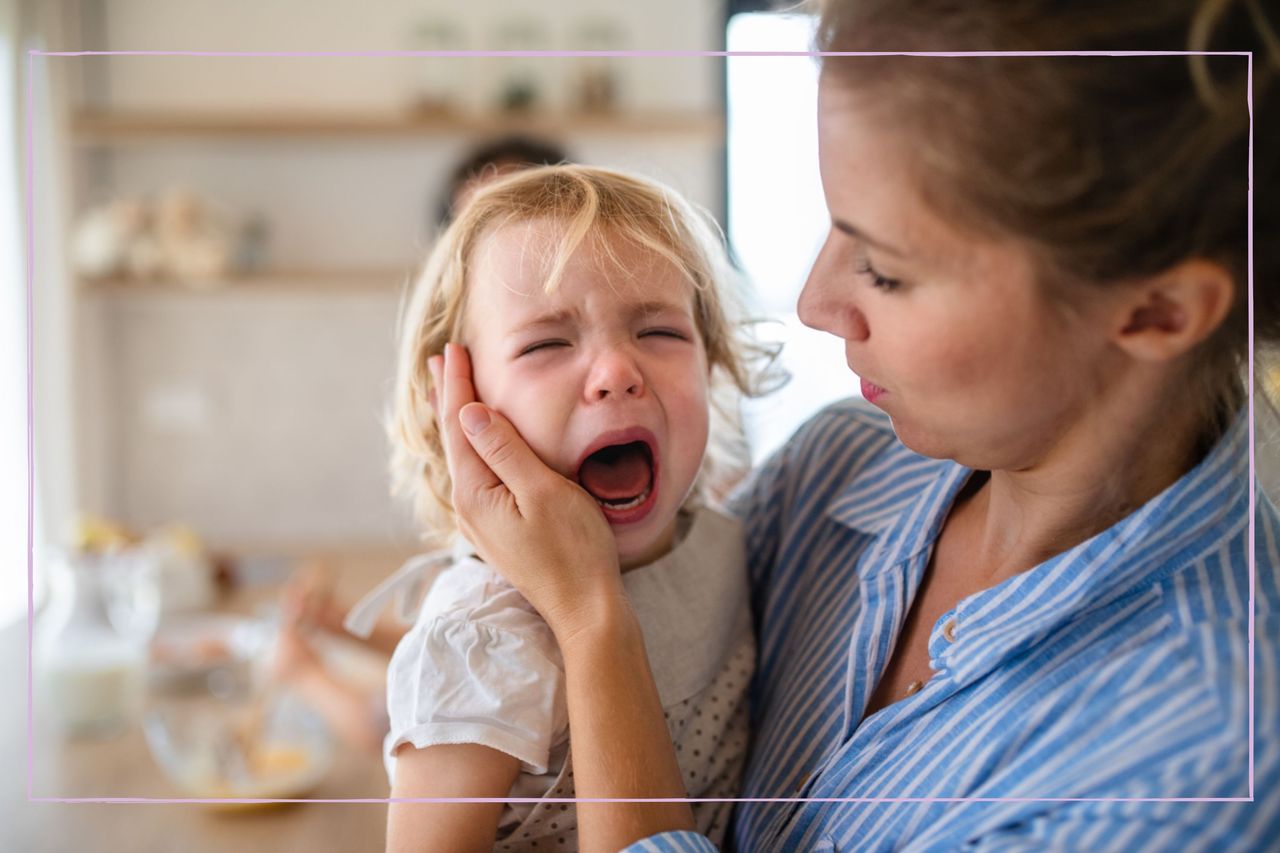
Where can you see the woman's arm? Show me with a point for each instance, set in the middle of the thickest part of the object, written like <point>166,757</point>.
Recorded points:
<point>461,770</point>
<point>621,746</point>
<point>548,537</point>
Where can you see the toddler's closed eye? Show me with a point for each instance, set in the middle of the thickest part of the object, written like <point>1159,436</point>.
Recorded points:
<point>543,345</point>
<point>665,333</point>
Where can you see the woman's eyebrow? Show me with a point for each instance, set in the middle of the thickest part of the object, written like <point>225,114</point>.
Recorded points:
<point>845,227</point>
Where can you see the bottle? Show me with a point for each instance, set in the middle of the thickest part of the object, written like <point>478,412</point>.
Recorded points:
<point>91,643</point>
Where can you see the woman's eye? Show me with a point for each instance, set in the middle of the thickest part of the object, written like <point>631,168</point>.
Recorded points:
<point>877,280</point>
<point>543,345</point>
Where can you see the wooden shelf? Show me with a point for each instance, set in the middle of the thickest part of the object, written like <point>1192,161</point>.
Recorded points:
<point>275,281</point>
<point>115,127</point>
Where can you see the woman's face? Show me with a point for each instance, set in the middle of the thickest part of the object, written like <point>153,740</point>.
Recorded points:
<point>949,331</point>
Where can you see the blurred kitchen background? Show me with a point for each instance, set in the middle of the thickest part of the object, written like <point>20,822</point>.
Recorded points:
<point>221,245</point>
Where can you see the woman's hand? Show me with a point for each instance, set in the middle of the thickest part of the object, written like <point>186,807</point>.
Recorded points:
<point>543,532</point>
<point>549,539</point>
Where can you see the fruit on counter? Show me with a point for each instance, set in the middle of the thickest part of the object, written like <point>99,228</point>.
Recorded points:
<point>181,538</point>
<point>97,535</point>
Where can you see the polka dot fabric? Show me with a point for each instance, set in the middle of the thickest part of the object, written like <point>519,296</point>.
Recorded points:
<point>693,611</point>
<point>709,730</point>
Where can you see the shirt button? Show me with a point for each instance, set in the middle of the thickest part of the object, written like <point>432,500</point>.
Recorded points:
<point>949,630</point>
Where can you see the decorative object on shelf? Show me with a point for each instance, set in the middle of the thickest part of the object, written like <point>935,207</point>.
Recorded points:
<point>255,238</point>
<point>179,235</point>
<point>434,88</point>
<point>197,241</point>
<point>595,81</point>
<point>102,240</point>
<point>522,86</point>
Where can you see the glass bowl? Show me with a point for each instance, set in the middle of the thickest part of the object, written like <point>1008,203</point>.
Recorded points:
<point>221,744</point>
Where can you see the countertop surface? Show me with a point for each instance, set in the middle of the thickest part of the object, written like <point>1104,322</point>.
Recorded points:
<point>121,766</point>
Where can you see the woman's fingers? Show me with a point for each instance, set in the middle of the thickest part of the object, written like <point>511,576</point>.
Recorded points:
<point>452,376</point>
<point>505,453</point>
<point>546,535</point>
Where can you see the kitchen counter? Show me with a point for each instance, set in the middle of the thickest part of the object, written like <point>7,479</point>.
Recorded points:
<point>122,766</point>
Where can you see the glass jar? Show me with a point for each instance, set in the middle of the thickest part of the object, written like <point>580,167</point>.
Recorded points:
<point>91,643</point>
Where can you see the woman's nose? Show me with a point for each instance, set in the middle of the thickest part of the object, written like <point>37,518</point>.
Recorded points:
<point>828,301</point>
<point>614,373</point>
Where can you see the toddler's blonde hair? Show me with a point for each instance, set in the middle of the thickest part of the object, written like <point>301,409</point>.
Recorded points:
<point>588,201</point>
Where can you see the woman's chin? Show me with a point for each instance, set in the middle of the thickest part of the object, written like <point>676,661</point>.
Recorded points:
<point>920,441</point>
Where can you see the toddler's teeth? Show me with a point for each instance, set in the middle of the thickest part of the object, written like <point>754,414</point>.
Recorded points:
<point>631,504</point>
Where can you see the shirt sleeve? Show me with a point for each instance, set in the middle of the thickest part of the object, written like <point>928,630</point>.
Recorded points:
<point>479,666</point>
<point>681,841</point>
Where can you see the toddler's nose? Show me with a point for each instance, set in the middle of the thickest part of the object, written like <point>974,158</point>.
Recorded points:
<point>614,374</point>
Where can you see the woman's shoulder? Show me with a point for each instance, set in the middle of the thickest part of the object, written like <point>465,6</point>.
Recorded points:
<point>1220,608</point>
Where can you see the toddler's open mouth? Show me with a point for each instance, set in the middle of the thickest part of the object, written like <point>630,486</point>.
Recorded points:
<point>621,474</point>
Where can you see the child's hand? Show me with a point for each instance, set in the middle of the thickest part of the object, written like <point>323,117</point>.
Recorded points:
<point>544,533</point>
<point>307,597</point>
<point>294,655</point>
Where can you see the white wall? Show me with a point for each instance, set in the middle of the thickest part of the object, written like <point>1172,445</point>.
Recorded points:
<point>254,416</point>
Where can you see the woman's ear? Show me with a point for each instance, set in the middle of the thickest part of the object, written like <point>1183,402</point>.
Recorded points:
<point>1164,316</point>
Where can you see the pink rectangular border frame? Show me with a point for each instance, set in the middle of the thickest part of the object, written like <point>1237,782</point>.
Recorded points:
<point>652,54</point>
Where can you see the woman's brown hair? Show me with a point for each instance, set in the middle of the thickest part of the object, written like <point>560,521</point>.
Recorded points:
<point>1111,168</point>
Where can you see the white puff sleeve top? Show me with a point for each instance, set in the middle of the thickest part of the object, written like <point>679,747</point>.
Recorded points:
<point>478,666</point>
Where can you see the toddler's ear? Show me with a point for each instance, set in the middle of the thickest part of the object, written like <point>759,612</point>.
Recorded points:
<point>1164,316</point>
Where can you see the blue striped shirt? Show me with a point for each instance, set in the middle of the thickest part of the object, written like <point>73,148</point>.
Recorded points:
<point>1116,669</point>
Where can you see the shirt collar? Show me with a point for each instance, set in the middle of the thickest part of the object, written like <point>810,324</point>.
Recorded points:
<point>900,497</point>
<point>903,498</point>
<point>1193,515</point>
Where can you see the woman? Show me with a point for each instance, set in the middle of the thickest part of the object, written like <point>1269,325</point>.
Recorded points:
<point>1020,569</point>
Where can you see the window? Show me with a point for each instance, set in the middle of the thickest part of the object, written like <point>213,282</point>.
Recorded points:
<point>13,338</point>
<point>777,216</point>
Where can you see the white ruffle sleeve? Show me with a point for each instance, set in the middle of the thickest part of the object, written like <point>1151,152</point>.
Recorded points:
<point>478,666</point>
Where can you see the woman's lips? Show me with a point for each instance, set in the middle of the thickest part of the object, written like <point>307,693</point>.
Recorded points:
<point>871,391</point>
